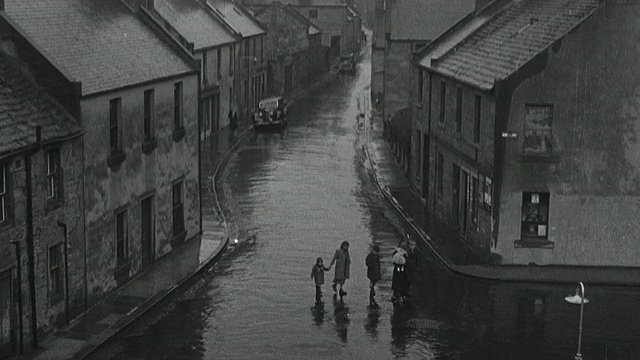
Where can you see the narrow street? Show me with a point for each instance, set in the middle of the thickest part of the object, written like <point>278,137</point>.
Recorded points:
<point>305,191</point>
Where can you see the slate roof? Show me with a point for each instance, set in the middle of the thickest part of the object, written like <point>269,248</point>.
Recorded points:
<point>496,47</point>
<point>194,22</point>
<point>101,43</point>
<point>23,106</point>
<point>239,19</point>
<point>425,19</point>
<point>313,29</point>
<point>301,3</point>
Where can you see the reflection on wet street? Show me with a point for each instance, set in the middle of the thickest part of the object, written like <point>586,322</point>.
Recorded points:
<point>305,191</point>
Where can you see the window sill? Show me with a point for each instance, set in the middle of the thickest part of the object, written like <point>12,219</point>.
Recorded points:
<point>122,270</point>
<point>148,145</point>
<point>116,158</point>
<point>179,133</point>
<point>539,158</point>
<point>533,243</point>
<point>179,239</point>
<point>53,204</point>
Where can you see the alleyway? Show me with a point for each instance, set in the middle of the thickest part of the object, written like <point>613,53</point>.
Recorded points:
<point>303,192</point>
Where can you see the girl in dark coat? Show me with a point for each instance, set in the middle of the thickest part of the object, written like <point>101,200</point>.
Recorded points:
<point>343,263</point>
<point>317,274</point>
<point>373,272</point>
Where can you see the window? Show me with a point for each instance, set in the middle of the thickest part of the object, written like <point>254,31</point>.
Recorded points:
<point>122,237</point>
<point>477,116</point>
<point>149,114</point>
<point>56,286</point>
<point>443,95</point>
<point>115,111</point>
<point>459,109</point>
<point>313,14</point>
<point>535,216</point>
<point>487,193</point>
<point>537,130</point>
<point>418,152</point>
<point>178,209</point>
<point>420,85</point>
<point>253,51</point>
<point>54,175</point>
<point>204,66</point>
<point>440,171</point>
<point>177,105</point>
<point>4,193</point>
<point>473,201</point>
<point>232,55</point>
<point>219,63</point>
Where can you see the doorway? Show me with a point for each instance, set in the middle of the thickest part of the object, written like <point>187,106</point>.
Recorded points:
<point>7,316</point>
<point>147,230</point>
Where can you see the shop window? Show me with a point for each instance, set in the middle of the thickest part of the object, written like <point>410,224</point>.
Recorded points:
<point>537,130</point>
<point>487,193</point>
<point>535,216</point>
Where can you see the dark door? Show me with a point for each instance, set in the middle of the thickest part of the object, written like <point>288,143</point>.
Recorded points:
<point>464,189</point>
<point>7,344</point>
<point>288,78</point>
<point>335,45</point>
<point>425,166</point>
<point>147,231</point>
<point>215,113</point>
<point>455,195</point>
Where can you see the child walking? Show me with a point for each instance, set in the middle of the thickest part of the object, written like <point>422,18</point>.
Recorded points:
<point>317,274</point>
<point>373,273</point>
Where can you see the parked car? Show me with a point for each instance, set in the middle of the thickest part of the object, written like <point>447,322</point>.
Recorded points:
<point>271,113</point>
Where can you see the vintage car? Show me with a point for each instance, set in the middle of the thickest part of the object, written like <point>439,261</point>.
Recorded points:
<point>271,113</point>
<point>347,64</point>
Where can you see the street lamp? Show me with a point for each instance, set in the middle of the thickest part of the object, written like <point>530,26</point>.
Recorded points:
<point>578,299</point>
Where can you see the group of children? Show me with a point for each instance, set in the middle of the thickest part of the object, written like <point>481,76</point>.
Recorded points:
<point>401,281</point>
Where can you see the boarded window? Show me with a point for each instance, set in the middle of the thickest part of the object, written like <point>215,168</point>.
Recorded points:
<point>537,130</point>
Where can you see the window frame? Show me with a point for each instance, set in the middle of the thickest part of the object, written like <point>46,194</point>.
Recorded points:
<point>440,173</point>
<point>56,272</point>
<point>5,195</point>
<point>178,229</point>
<point>219,63</point>
<point>122,251</point>
<point>459,97</point>
<point>443,102</point>
<point>487,193</point>
<point>115,125</point>
<point>477,118</point>
<point>526,129</point>
<point>527,238</point>
<point>54,173</point>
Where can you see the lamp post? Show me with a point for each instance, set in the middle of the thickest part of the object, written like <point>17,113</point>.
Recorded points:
<point>578,299</point>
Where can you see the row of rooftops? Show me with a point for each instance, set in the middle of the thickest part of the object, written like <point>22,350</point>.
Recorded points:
<point>491,44</point>
<point>105,45</point>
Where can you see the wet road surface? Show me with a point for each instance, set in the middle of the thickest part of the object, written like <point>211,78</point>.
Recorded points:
<point>305,191</point>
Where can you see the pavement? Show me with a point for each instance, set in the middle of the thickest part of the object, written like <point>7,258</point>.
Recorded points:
<point>167,275</point>
<point>453,253</point>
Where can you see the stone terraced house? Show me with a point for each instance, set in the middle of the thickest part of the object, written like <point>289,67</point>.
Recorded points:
<point>135,93</point>
<point>531,131</point>
<point>42,247</point>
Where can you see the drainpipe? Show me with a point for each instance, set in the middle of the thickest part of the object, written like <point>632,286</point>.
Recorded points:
<point>30,245</point>
<point>16,244</point>
<point>66,270</point>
